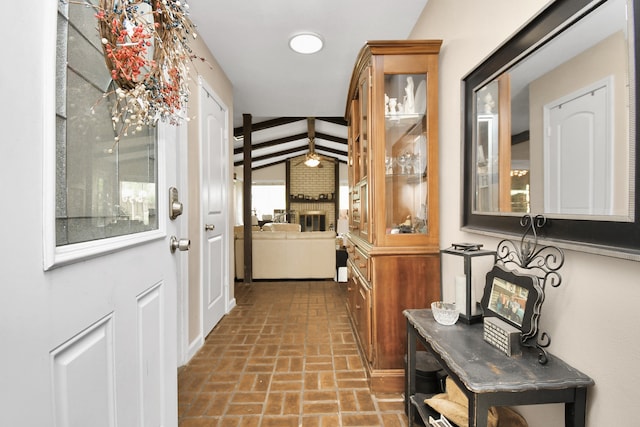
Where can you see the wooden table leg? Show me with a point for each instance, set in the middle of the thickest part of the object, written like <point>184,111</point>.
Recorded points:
<point>478,411</point>
<point>575,413</point>
<point>410,372</point>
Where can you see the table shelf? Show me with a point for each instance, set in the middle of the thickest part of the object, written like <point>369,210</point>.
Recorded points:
<point>423,410</point>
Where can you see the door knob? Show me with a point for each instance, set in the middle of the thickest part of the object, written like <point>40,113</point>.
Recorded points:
<point>176,244</point>
<point>209,227</point>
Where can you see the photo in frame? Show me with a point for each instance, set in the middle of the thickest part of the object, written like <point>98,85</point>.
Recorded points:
<point>515,298</point>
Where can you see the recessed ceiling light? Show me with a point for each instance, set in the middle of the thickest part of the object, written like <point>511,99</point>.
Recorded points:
<point>306,43</point>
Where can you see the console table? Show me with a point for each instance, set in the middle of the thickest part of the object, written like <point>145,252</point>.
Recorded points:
<point>488,377</point>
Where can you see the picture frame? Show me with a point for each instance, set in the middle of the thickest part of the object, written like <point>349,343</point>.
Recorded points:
<point>514,297</point>
<point>322,196</point>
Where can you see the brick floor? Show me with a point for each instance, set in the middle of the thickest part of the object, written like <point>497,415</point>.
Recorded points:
<point>285,356</point>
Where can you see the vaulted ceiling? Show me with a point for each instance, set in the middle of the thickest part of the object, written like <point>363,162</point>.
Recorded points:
<point>277,140</point>
<point>280,88</point>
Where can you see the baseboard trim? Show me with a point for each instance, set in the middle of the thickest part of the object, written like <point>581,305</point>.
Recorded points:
<point>386,380</point>
<point>194,346</point>
<point>231,305</point>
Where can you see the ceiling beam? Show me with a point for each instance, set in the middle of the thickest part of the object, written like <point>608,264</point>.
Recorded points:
<point>301,150</point>
<point>335,120</point>
<point>267,124</point>
<point>293,151</point>
<point>273,142</point>
<point>331,138</point>
<point>331,150</point>
<point>283,161</point>
<point>280,121</point>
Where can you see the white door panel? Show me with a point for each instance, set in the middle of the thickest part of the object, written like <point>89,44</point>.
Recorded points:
<point>83,377</point>
<point>214,294</point>
<point>578,147</point>
<point>213,129</point>
<point>151,333</point>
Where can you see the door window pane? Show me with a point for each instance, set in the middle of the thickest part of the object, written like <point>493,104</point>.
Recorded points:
<point>103,189</point>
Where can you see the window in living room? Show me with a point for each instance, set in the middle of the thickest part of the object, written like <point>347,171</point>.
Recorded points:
<point>265,198</point>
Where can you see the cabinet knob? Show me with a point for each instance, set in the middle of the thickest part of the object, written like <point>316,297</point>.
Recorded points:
<point>362,265</point>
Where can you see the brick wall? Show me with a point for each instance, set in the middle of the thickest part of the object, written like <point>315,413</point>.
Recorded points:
<point>313,182</point>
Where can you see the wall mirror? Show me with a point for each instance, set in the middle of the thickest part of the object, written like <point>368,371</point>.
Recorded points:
<point>549,127</point>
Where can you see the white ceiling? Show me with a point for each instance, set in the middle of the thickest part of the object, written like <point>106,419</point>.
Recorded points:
<point>249,39</point>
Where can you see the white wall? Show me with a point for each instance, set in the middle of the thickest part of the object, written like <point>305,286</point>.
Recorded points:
<point>593,317</point>
<point>275,174</point>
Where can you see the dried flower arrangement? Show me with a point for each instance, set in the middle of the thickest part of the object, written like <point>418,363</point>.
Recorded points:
<point>146,49</point>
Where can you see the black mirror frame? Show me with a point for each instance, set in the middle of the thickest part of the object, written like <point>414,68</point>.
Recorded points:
<point>617,236</point>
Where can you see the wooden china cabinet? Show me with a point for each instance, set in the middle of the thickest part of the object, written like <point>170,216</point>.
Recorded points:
<point>393,239</point>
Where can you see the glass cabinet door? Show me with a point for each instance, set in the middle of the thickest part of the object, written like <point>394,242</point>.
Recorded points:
<point>359,158</point>
<point>364,124</point>
<point>406,154</point>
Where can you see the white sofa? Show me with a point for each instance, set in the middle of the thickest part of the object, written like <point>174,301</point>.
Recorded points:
<point>288,254</point>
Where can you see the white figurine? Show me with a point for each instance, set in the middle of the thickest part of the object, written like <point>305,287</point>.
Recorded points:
<point>409,103</point>
<point>489,103</point>
<point>393,102</point>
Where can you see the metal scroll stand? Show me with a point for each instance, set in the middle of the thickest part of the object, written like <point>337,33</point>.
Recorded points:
<point>540,261</point>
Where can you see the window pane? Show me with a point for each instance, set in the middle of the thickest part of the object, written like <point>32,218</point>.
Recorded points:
<point>102,189</point>
<point>267,199</point>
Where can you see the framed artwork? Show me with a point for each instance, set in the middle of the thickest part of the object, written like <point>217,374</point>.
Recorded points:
<point>515,298</point>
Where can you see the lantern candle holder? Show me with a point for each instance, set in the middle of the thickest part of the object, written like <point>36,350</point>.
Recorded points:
<point>465,295</point>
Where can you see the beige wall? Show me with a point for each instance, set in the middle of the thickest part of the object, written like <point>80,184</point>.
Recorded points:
<point>593,316</point>
<point>215,79</point>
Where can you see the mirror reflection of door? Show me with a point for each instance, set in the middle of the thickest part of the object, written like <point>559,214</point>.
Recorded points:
<point>577,153</point>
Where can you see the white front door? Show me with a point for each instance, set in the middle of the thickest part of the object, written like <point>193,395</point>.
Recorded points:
<point>578,175</point>
<point>88,327</point>
<point>213,137</point>
<point>91,343</point>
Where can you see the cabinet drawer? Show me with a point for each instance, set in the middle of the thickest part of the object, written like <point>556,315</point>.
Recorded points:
<point>362,317</point>
<point>362,263</point>
<point>352,289</point>
<point>351,249</point>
